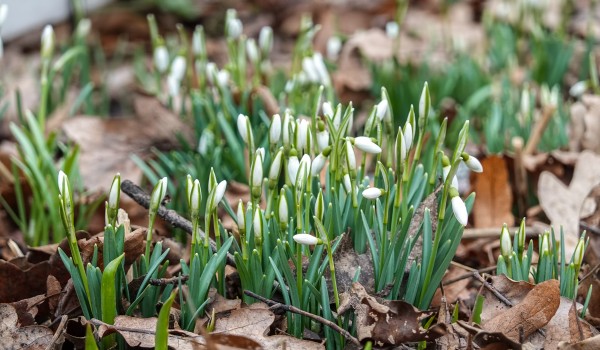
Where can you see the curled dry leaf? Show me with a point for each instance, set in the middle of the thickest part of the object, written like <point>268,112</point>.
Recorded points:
<point>25,338</point>
<point>388,323</point>
<point>563,204</point>
<point>493,206</point>
<point>592,343</point>
<point>531,314</point>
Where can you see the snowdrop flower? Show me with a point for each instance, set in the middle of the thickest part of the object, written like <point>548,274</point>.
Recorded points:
<point>334,46</point>
<point>472,163</point>
<point>198,45</point>
<point>322,139</point>
<point>289,125</point>
<point>365,144</point>
<point>459,208</point>
<point>309,68</point>
<point>579,88</point>
<point>400,148</point>
<point>114,193</point>
<point>257,174</point>
<point>158,194</point>
<point>234,28</point>
<point>275,129</point>
<point>302,135</point>
<point>173,85</point>
<point>347,183</point>
<point>241,217</point>
<point>392,29</point>
<point>275,168</point>
<point>265,40</point>
<point>578,254</point>
<point>211,72</point>
<point>195,197</point>
<point>283,209</point>
<point>445,171</point>
<point>161,58</point>
<point>317,164</point>
<point>206,139</point>
<point>337,118</point>
<point>408,134</point>
<point>545,244</point>
<point>178,67</point>
<point>47,42</point>
<point>223,78</point>
<point>257,225</point>
<point>505,242</point>
<point>303,169</point>
<point>372,193</point>
<point>63,185</point>
<point>219,193</point>
<point>321,69</point>
<point>244,128</point>
<point>306,239</point>
<point>252,50</point>
<point>424,104</point>
<point>327,109</point>
<point>82,30</point>
<point>261,152</point>
<point>292,167</point>
<point>382,109</point>
<point>350,157</point>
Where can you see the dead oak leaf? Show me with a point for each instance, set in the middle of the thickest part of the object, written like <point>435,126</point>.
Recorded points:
<point>387,323</point>
<point>15,337</point>
<point>562,203</point>
<point>531,314</point>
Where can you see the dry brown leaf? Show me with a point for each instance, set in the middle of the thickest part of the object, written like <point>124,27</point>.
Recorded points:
<point>254,322</point>
<point>533,313</point>
<point>106,145</point>
<point>493,206</point>
<point>24,282</point>
<point>563,204</point>
<point>391,322</point>
<point>24,338</point>
<point>588,344</point>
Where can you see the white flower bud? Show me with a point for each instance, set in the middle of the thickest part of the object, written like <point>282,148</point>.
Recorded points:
<point>505,242</point>
<point>305,239</point>
<point>63,185</point>
<point>292,167</point>
<point>198,41</point>
<point>243,123</point>
<point>365,144</point>
<point>350,157</point>
<point>317,164</point>
<point>161,58</point>
<point>321,69</point>
<point>337,118</point>
<point>309,68</point>
<point>320,206</point>
<point>265,40</point>
<point>276,166</point>
<point>275,129</point>
<point>579,251</point>
<point>82,30</point>
<point>257,171</point>
<point>334,46</point>
<point>257,224</point>
<point>234,28</point>
<point>289,125</point>
<point>472,163</point>
<point>158,194</point>
<point>401,150</point>
<point>219,193</point>
<point>545,249</point>
<point>579,88</point>
<point>347,183</point>
<point>223,78</point>
<point>303,169</point>
<point>460,210</point>
<point>327,109</point>
<point>114,193</point>
<point>283,209</point>
<point>47,42</point>
<point>445,171</point>
<point>322,139</point>
<point>178,67</point>
<point>211,72</point>
<point>241,215</point>
<point>195,197</point>
<point>382,109</point>
<point>408,135</point>
<point>206,140</point>
<point>392,29</point>
<point>372,193</point>
<point>301,136</point>
<point>252,50</point>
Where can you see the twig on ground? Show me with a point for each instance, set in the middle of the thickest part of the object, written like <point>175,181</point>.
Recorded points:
<point>469,275</point>
<point>58,333</point>
<point>161,282</point>
<point>289,308</point>
<point>170,216</point>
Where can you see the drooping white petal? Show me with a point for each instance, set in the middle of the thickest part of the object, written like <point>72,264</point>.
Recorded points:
<point>460,210</point>
<point>365,144</point>
<point>306,239</point>
<point>372,193</point>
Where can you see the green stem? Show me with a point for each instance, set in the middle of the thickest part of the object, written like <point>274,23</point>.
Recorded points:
<point>43,109</point>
